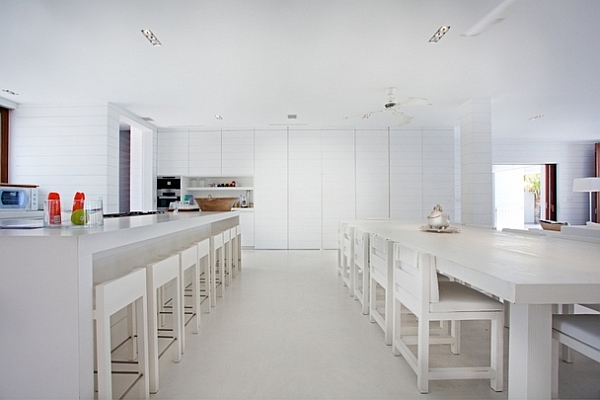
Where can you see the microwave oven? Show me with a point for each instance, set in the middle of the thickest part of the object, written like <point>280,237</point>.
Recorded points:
<point>18,198</point>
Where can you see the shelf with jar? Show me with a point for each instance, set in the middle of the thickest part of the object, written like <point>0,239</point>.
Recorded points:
<point>241,187</point>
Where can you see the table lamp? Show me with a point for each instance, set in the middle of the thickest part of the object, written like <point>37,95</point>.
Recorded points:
<point>587,185</point>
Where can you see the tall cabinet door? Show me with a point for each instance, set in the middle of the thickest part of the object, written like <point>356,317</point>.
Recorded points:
<point>205,152</point>
<point>271,189</point>
<point>372,174</point>
<point>304,160</point>
<point>238,152</point>
<point>339,197</point>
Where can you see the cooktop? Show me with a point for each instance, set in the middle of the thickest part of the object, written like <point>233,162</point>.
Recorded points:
<point>131,214</point>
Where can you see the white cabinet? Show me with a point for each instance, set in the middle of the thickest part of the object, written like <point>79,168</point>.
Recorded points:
<point>305,194</point>
<point>372,174</point>
<point>237,156</point>
<point>271,184</point>
<point>406,176</point>
<point>172,153</point>
<point>338,176</point>
<point>204,153</point>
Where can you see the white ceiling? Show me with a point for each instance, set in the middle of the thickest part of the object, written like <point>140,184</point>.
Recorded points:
<point>256,61</point>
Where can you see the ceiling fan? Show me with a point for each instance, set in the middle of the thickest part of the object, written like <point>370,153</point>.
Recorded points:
<point>495,16</point>
<point>394,107</point>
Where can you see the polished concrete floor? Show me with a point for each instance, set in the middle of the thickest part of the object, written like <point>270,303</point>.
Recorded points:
<point>287,329</point>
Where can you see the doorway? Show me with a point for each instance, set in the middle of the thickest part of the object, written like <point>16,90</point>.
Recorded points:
<point>523,194</point>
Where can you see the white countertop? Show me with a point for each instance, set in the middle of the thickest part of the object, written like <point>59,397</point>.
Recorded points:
<point>115,224</point>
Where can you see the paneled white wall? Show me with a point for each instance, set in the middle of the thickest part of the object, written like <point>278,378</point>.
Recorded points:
<point>173,153</point>
<point>574,160</point>
<point>67,149</point>
<point>204,153</point>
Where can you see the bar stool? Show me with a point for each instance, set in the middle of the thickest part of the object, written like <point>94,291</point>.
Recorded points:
<point>236,250</point>
<point>217,254</point>
<point>188,261</point>
<point>227,261</point>
<point>381,261</point>
<point>110,297</point>
<point>159,274</point>
<point>205,271</point>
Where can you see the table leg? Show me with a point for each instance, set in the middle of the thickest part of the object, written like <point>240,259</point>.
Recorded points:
<point>530,351</point>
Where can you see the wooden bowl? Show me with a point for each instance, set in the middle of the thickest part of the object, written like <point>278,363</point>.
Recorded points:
<point>552,225</point>
<point>216,203</point>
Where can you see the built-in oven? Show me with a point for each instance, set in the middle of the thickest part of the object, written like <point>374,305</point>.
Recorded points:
<point>168,190</point>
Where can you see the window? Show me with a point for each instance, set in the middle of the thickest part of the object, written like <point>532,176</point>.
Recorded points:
<point>3,144</point>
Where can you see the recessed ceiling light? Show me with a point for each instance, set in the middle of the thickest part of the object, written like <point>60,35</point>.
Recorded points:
<point>536,117</point>
<point>439,34</point>
<point>10,92</point>
<point>147,119</point>
<point>218,116</point>
<point>292,116</point>
<point>151,38</point>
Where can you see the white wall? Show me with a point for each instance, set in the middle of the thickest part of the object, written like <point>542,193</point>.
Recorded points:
<point>574,160</point>
<point>67,149</point>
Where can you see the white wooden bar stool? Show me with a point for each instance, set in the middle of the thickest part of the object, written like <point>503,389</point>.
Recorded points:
<point>188,265</point>
<point>361,268</point>
<point>348,258</point>
<point>236,250</point>
<point>580,332</point>
<point>110,297</point>
<point>227,260</point>
<point>205,279</point>
<point>217,254</point>
<point>380,284</point>
<point>416,287</point>
<point>162,273</point>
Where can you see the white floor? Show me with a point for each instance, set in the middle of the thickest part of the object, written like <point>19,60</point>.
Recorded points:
<point>287,329</point>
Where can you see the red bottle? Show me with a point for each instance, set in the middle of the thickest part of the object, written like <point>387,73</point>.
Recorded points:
<point>54,217</point>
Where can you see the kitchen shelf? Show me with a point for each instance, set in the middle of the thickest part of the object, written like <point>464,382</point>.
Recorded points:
<point>205,188</point>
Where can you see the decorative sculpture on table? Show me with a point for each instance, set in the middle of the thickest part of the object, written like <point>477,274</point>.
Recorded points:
<point>438,219</point>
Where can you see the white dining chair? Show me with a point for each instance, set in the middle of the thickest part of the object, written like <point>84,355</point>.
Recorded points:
<point>348,257</point>
<point>416,287</point>
<point>205,272</point>
<point>361,268</point>
<point>380,284</point>
<point>580,332</point>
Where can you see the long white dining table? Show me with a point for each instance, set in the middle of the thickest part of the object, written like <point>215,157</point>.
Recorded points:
<point>530,272</point>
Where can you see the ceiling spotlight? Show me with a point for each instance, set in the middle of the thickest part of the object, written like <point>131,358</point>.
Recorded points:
<point>151,38</point>
<point>10,92</point>
<point>439,34</point>
<point>536,117</point>
<point>218,116</point>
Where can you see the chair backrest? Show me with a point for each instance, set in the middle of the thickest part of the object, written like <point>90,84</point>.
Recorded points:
<point>203,248</point>
<point>380,253</point>
<point>115,294</point>
<point>188,257</point>
<point>348,237</point>
<point>361,246</point>
<point>415,277</point>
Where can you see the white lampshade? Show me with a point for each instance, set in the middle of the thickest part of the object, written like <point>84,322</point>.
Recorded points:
<point>586,185</point>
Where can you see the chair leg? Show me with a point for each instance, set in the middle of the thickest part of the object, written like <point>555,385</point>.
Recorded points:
<point>153,342</point>
<point>497,353</point>
<point>141,309</point>
<point>104,362</point>
<point>455,333</point>
<point>372,299</point>
<point>423,356</point>
<point>388,316</point>
<point>396,326</point>
<point>555,366</point>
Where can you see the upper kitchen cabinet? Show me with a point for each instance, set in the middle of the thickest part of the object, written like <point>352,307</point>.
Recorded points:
<point>237,157</point>
<point>172,153</point>
<point>205,153</point>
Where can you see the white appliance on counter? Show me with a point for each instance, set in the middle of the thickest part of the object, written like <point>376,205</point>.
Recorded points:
<point>18,197</point>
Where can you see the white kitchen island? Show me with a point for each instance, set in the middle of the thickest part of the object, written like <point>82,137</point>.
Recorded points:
<point>47,278</point>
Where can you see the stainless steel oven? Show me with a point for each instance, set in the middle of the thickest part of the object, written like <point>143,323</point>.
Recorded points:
<point>168,189</point>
